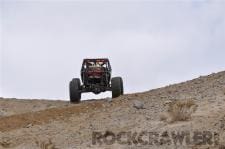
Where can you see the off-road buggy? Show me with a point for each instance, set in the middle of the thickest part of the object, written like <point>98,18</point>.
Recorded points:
<point>96,78</point>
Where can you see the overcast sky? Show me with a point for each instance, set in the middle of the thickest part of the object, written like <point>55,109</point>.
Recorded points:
<point>149,43</point>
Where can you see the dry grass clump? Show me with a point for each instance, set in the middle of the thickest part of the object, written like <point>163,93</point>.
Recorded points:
<point>45,144</point>
<point>5,143</point>
<point>179,110</point>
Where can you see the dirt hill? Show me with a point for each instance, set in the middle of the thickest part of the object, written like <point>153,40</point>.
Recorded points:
<point>130,121</point>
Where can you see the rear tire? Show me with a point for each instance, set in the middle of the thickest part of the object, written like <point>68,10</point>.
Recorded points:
<point>117,87</point>
<point>75,94</point>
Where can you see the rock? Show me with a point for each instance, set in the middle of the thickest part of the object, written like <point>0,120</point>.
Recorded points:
<point>29,125</point>
<point>109,99</point>
<point>138,104</point>
<point>167,102</point>
<point>3,112</point>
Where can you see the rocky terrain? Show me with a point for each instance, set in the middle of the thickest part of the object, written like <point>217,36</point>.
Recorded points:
<point>124,122</point>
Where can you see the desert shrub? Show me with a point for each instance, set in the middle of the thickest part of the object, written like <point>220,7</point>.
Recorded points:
<point>5,144</point>
<point>45,144</point>
<point>179,110</point>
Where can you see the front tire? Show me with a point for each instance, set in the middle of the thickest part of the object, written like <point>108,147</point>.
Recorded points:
<point>75,94</point>
<point>117,87</point>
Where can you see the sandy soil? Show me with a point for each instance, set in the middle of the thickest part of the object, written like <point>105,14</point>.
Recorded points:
<point>26,124</point>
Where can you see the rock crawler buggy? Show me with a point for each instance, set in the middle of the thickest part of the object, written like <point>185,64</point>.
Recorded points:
<point>96,78</point>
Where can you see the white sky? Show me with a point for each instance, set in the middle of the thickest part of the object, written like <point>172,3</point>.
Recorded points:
<point>150,43</point>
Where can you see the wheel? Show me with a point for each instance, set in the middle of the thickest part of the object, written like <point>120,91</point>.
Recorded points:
<point>75,94</point>
<point>117,87</point>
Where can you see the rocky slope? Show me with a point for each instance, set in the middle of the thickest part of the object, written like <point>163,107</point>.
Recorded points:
<point>135,117</point>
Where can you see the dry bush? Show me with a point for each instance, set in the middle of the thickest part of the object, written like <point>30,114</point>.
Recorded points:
<point>179,110</point>
<point>45,144</point>
<point>162,117</point>
<point>5,143</point>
